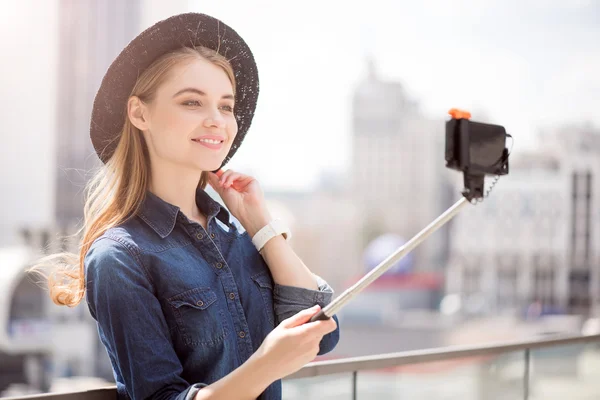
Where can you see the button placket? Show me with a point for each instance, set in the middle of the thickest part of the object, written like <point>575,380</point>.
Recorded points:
<point>235,307</point>
<point>218,261</point>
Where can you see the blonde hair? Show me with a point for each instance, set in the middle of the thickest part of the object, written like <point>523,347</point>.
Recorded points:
<point>116,192</point>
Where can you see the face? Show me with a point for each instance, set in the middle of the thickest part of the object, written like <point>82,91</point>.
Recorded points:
<point>190,121</point>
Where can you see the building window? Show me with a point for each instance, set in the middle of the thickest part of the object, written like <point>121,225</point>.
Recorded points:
<point>507,287</point>
<point>543,286</point>
<point>579,291</point>
<point>543,279</point>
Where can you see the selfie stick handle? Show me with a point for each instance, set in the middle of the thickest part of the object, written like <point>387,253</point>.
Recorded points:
<point>343,299</point>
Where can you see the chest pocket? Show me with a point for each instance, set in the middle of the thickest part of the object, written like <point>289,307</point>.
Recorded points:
<point>264,284</point>
<point>199,319</point>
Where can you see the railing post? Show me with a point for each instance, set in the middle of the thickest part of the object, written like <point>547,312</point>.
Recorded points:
<point>354,395</point>
<point>526,374</point>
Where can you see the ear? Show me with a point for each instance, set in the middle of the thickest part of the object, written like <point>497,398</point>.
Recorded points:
<point>137,113</point>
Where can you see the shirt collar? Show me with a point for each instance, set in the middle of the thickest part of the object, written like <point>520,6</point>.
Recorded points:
<point>162,216</point>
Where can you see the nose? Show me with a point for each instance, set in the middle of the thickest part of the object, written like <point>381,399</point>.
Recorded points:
<point>214,119</point>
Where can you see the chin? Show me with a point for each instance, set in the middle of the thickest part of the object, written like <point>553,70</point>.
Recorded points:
<point>207,166</point>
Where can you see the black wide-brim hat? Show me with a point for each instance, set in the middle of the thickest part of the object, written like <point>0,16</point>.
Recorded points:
<point>184,30</point>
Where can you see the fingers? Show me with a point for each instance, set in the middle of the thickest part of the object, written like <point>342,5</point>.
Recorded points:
<point>300,318</point>
<point>222,179</point>
<point>315,350</point>
<point>319,328</point>
<point>213,180</point>
<point>229,178</point>
<point>225,177</point>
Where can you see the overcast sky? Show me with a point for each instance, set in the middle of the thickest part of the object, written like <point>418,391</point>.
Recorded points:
<point>523,64</point>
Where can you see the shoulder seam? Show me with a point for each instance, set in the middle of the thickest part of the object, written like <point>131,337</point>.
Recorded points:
<point>133,252</point>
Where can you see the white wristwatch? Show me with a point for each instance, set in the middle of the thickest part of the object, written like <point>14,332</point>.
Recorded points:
<point>274,228</point>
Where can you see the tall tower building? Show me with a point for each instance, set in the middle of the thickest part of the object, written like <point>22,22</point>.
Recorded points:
<point>398,172</point>
<point>91,34</point>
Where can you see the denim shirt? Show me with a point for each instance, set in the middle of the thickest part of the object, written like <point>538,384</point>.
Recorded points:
<point>178,307</point>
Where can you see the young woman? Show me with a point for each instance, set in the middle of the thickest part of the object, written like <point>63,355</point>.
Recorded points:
<point>188,306</point>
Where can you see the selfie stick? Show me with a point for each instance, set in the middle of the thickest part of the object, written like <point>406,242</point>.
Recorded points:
<point>343,299</point>
<point>464,139</point>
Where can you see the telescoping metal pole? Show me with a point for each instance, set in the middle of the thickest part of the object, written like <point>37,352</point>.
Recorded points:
<point>344,298</point>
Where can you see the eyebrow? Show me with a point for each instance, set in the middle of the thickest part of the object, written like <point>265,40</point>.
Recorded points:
<point>201,93</point>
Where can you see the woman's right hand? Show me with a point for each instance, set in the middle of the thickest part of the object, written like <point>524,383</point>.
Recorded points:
<point>294,342</point>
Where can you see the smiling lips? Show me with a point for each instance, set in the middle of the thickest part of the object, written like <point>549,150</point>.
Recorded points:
<point>211,141</point>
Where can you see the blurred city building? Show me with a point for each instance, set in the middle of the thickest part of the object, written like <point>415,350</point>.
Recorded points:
<point>399,182</point>
<point>91,34</point>
<point>532,246</point>
<point>41,341</point>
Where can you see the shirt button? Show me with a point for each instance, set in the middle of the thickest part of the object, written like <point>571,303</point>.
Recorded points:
<point>232,296</point>
<point>219,265</point>
<point>199,236</point>
<point>212,235</point>
<point>242,334</point>
<point>199,303</point>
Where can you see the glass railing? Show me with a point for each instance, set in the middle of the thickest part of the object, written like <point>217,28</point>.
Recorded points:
<point>551,368</point>
<point>560,367</point>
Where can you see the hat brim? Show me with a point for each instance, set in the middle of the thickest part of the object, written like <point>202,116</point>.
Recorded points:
<point>184,30</point>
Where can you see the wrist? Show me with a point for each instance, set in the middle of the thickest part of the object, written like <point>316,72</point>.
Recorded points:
<point>247,381</point>
<point>261,369</point>
<point>256,222</point>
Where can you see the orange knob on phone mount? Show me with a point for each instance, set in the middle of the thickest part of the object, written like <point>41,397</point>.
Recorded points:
<point>457,113</point>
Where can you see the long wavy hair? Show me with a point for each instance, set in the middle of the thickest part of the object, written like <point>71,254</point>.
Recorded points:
<point>118,188</point>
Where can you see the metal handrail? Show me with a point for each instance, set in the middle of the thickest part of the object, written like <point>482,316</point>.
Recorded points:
<point>375,362</point>
<point>434,354</point>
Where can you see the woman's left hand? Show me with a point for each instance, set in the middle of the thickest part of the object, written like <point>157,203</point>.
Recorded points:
<point>243,197</point>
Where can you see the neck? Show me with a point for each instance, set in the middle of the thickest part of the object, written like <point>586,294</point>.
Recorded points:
<point>177,186</point>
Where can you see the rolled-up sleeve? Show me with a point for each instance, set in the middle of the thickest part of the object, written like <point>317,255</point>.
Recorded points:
<point>132,326</point>
<point>289,300</point>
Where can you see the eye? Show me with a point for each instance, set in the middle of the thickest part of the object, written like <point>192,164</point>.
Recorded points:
<point>227,108</point>
<point>191,103</point>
